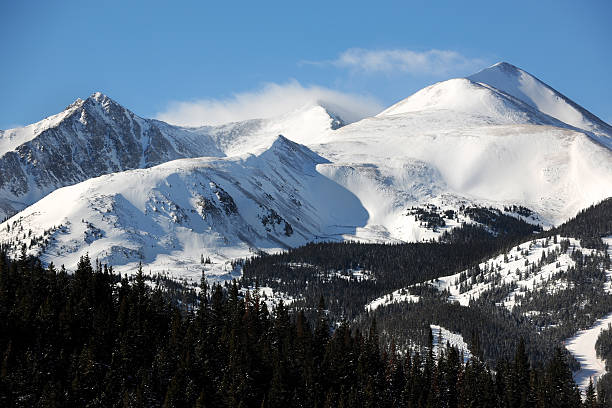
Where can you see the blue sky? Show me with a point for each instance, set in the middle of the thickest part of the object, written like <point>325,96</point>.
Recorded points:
<point>196,61</point>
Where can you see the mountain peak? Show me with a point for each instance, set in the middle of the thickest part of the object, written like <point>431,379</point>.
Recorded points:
<point>96,98</point>
<point>499,71</point>
<point>336,119</point>
<point>522,85</point>
<point>281,143</point>
<point>501,68</point>
<point>100,98</point>
<point>102,104</point>
<point>503,65</point>
<point>283,148</point>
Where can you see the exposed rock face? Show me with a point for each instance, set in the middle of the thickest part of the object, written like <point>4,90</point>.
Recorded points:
<point>97,137</point>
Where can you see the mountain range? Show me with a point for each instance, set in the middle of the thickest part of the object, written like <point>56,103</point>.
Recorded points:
<point>98,179</point>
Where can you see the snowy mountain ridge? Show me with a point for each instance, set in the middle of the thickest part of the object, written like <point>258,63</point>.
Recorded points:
<point>98,136</point>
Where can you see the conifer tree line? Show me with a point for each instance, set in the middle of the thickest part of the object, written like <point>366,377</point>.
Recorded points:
<point>603,348</point>
<point>90,339</point>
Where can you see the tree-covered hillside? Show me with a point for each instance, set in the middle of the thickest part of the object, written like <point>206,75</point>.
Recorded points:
<point>92,339</point>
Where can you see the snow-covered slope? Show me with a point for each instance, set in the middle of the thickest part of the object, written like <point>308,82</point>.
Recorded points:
<point>449,157</point>
<point>173,215</point>
<point>531,265</point>
<point>516,271</point>
<point>397,296</point>
<point>12,138</point>
<point>550,282</point>
<point>582,347</point>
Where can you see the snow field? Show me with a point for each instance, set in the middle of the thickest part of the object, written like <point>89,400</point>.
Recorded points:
<point>582,347</point>
<point>397,296</point>
<point>446,336</point>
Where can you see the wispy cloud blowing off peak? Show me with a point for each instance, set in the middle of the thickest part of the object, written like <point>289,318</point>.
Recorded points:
<point>432,62</point>
<point>274,99</point>
<point>269,101</point>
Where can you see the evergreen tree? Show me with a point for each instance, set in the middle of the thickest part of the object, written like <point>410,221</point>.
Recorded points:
<point>590,398</point>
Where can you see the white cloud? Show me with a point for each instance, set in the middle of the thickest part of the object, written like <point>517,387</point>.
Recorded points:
<point>271,100</point>
<point>432,62</point>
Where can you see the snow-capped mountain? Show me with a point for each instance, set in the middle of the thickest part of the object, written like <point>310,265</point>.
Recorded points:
<point>91,137</point>
<point>459,142</point>
<point>98,136</point>
<point>460,139</point>
<point>172,215</point>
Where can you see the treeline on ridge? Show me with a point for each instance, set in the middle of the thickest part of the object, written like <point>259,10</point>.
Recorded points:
<point>326,269</point>
<point>589,225</point>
